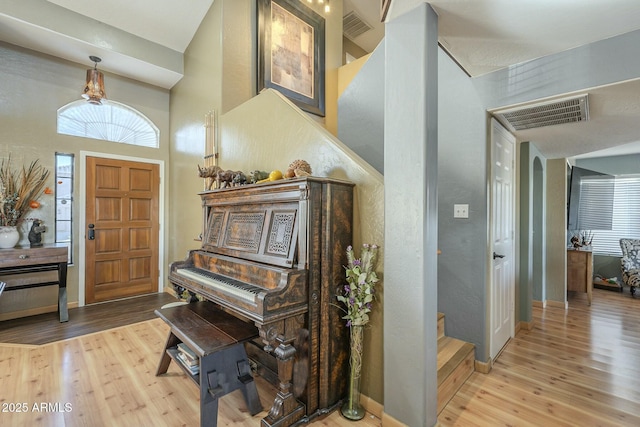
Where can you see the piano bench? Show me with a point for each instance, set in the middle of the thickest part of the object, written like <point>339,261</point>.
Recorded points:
<point>208,344</point>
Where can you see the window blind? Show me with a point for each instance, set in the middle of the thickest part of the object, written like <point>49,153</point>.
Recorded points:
<point>625,213</point>
<point>595,211</point>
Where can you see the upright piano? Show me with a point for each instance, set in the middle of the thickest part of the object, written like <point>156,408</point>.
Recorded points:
<point>273,254</point>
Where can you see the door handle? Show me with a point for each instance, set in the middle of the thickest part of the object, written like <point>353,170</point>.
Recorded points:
<point>495,255</point>
<point>92,234</point>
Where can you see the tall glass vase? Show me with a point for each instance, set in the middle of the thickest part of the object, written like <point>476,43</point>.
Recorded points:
<point>351,409</point>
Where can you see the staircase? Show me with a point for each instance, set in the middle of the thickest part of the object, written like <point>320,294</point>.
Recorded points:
<point>455,364</point>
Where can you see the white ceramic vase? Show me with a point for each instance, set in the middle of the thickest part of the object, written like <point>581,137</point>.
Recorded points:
<point>9,236</point>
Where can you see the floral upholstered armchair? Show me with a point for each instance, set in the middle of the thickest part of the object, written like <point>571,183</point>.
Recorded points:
<point>630,263</point>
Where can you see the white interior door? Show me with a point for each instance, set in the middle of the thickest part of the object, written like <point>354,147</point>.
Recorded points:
<point>502,237</point>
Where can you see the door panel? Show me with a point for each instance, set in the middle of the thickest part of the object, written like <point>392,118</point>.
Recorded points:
<point>502,237</point>
<point>123,206</point>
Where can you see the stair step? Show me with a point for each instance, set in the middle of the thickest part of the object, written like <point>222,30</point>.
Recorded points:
<point>440,325</point>
<point>455,365</point>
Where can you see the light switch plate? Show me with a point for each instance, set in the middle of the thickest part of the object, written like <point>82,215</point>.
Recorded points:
<point>461,211</point>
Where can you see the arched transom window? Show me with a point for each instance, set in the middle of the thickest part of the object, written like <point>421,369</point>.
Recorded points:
<point>111,121</point>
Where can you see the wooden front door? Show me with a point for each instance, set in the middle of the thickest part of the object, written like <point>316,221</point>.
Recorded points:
<point>122,234</point>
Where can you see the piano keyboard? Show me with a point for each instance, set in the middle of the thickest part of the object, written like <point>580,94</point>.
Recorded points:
<point>234,287</point>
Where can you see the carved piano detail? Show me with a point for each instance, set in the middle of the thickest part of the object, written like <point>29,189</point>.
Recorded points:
<point>272,254</point>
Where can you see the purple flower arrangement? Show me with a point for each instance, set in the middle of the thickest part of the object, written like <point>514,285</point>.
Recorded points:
<point>359,292</point>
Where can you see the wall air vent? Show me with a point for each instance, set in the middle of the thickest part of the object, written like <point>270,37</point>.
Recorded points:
<point>353,26</point>
<point>566,110</point>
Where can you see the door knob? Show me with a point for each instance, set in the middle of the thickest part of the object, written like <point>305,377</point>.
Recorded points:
<point>495,255</point>
<point>92,234</point>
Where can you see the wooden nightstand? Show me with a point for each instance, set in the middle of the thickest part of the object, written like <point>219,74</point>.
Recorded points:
<point>580,272</point>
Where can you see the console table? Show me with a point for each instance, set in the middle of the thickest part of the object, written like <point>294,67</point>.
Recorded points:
<point>22,260</point>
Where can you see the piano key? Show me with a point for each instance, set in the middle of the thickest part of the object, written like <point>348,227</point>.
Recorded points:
<point>236,288</point>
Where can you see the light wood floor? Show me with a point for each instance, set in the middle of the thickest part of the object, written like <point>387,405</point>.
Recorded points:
<point>108,379</point>
<point>579,367</point>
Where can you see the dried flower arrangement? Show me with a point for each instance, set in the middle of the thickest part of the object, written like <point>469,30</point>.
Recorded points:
<point>18,190</point>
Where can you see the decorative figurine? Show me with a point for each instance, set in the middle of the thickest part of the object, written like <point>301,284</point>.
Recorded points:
<point>298,168</point>
<point>225,178</point>
<point>215,174</point>
<point>256,176</point>
<point>239,179</point>
<point>35,234</point>
<point>210,172</point>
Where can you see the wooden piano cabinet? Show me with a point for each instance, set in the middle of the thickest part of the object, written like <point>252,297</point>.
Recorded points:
<point>285,243</point>
<point>23,260</point>
<point>580,272</point>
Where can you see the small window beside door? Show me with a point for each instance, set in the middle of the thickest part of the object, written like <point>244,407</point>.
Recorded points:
<point>64,199</point>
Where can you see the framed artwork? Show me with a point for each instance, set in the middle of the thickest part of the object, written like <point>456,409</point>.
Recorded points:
<point>291,52</point>
<point>384,8</point>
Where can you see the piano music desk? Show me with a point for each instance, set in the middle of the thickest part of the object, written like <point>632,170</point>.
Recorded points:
<point>217,338</point>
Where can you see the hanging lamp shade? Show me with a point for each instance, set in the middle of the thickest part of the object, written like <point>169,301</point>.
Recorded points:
<point>94,88</point>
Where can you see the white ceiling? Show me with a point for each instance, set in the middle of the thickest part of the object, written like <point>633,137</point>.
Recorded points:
<point>169,23</point>
<point>482,35</point>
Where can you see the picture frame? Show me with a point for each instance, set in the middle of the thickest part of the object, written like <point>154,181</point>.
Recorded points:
<point>384,8</point>
<point>291,53</point>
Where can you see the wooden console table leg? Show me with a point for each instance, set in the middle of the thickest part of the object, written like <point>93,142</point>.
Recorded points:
<point>62,292</point>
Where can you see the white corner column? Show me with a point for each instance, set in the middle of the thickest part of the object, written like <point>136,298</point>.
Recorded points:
<point>411,220</point>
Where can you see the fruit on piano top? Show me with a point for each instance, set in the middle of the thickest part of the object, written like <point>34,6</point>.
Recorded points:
<point>274,175</point>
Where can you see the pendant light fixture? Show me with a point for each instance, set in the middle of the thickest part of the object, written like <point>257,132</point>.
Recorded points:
<point>94,89</point>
